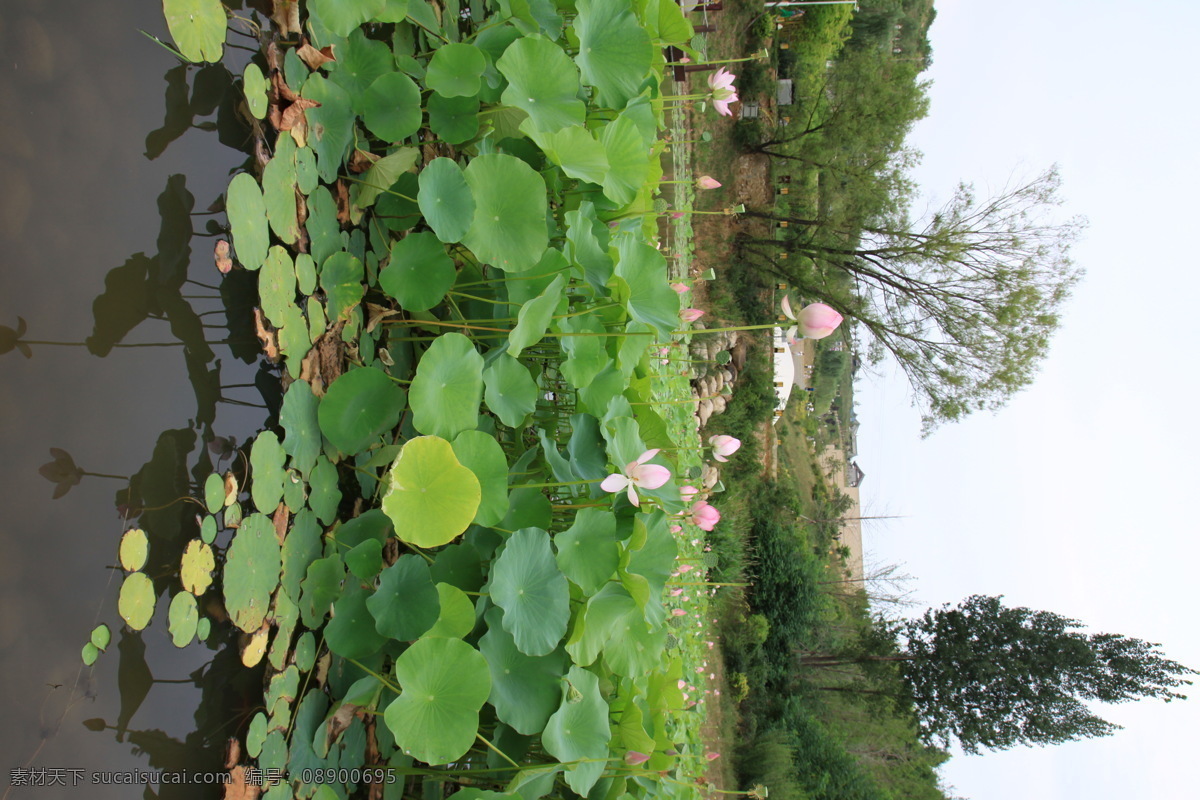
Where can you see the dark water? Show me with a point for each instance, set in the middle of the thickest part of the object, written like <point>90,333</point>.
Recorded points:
<point>85,214</point>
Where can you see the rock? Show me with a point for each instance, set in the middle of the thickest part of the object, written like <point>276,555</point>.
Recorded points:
<point>709,475</point>
<point>705,411</point>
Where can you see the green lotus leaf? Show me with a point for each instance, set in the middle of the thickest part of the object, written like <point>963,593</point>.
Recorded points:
<point>586,448</point>
<point>587,551</point>
<point>392,107</point>
<point>483,455</point>
<point>406,604</point>
<point>628,157</point>
<point>607,611</point>
<point>301,434</point>
<point>588,238</point>
<point>277,284</point>
<point>320,589</point>
<point>528,585</point>
<point>431,497</point>
<point>233,518</point>
<point>444,683</point>
<point>595,397</point>
<point>543,82</point>
<point>100,637</point>
<point>447,388</point>
<point>509,228</point>
<point>266,471</point>
<point>457,616</point>
<point>196,566</point>
<point>342,280</point>
<point>394,208</point>
<point>135,603</point>
<point>631,731</point>
<point>252,565</point>
<point>247,215</point>
<point>279,190</point>
<point>182,618</point>
<point>365,559</point>
<point>511,393</point>
<point>135,546</point>
<point>638,338</point>
<point>343,16</point>
<point>254,85</point>
<point>559,466</point>
<point>330,125</point>
<point>458,565</point>
<point>527,508</point>
<point>358,408</point>
<point>383,174</point>
<point>324,495</point>
<point>256,734</point>
<point>454,119</point>
<point>614,50</point>
<point>324,230</point>
<point>214,495</point>
<point>285,613</point>
<point>372,524</point>
<point>579,730</point>
<point>360,62</point>
<point>525,689</point>
<point>574,149</point>
<point>534,317</point>
<point>306,171</point>
<point>351,632</point>
<point>586,356</point>
<point>419,273</point>
<point>445,200</point>
<point>301,547</point>
<point>89,654</point>
<point>306,651</point>
<point>651,299</point>
<point>454,70</point>
<point>393,11</point>
<point>203,628</point>
<point>198,28</point>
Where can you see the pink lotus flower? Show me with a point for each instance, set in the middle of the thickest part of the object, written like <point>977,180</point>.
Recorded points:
<point>815,320</point>
<point>637,473</point>
<point>679,288</point>
<point>705,182</point>
<point>723,446</point>
<point>633,758</point>
<point>705,516</point>
<point>721,83</point>
<point>690,314</point>
<point>712,756</point>
<point>688,492</point>
<point>677,612</point>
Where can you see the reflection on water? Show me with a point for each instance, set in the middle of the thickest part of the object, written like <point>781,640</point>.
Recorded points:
<point>111,154</point>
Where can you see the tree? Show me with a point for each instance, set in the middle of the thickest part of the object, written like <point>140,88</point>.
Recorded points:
<point>965,300</point>
<point>989,676</point>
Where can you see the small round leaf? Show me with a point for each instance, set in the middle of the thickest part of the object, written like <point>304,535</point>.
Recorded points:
<point>134,549</point>
<point>431,497</point>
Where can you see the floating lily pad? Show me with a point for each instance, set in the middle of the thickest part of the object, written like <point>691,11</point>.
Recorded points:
<point>511,393</point>
<point>359,407</point>
<point>406,603</point>
<point>543,82</point>
<point>324,495</point>
<point>343,16</point>
<point>431,497</point>
<point>266,471</point>
<point>101,637</point>
<point>341,279</point>
<point>252,566</point>
<point>247,220</point>
<point>135,548</point>
<point>277,284</point>
<point>135,603</point>
<point>528,585</point>
<point>419,273</point>
<point>198,28</point>
<point>445,199</point>
<point>254,646</point>
<point>195,569</point>
<point>182,617</point>
<point>454,70</point>
<point>454,119</point>
<point>444,683</point>
<point>301,434</point>
<point>89,654</point>
<point>509,227</point>
<point>447,388</point>
<point>392,107</point>
<point>330,125</point>
<point>279,191</point>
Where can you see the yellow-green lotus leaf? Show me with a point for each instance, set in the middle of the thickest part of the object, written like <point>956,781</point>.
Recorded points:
<point>431,497</point>
<point>196,568</point>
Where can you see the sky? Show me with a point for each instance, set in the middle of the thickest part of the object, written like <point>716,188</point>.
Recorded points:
<point>1078,497</point>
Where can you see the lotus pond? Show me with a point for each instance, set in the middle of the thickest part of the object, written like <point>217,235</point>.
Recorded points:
<point>451,212</point>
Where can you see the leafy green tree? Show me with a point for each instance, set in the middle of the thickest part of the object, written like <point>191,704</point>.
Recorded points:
<point>992,677</point>
<point>965,300</point>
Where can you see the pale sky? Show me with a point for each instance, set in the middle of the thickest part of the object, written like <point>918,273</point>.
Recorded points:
<point>1078,497</point>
